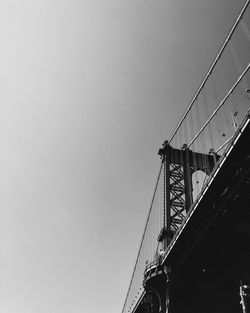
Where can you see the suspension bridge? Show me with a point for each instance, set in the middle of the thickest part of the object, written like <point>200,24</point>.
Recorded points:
<point>194,255</point>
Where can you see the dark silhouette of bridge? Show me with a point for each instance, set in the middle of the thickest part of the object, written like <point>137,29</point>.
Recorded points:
<point>194,256</point>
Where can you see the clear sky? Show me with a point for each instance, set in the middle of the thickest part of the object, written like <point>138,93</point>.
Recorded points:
<point>89,91</point>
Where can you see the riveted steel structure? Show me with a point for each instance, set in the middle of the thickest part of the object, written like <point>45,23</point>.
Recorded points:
<point>179,166</point>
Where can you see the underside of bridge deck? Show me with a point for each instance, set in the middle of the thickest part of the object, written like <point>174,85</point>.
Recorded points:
<point>208,280</point>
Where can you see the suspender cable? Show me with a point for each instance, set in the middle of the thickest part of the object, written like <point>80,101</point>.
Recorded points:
<point>212,67</point>
<point>143,236</point>
<point>237,62</point>
<point>221,104</point>
<point>245,29</point>
<point>210,135</point>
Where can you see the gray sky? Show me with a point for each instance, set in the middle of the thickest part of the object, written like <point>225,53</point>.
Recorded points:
<point>89,91</point>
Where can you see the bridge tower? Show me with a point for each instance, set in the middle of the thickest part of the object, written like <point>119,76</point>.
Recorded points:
<point>179,166</point>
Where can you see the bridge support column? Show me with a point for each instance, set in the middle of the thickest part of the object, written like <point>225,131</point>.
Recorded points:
<point>187,179</point>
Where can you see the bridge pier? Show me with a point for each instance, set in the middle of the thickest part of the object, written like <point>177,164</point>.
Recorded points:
<point>158,284</point>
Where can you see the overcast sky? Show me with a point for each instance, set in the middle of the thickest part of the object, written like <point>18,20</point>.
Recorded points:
<point>89,90</point>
